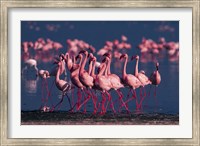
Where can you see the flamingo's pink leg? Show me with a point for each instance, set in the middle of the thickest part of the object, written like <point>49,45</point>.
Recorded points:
<point>49,93</point>
<point>149,90</point>
<point>121,100</point>
<point>79,98</point>
<point>136,101</point>
<point>110,100</point>
<point>72,104</point>
<point>84,101</point>
<point>103,103</point>
<point>58,104</point>
<point>47,89</point>
<point>94,98</point>
<point>155,91</point>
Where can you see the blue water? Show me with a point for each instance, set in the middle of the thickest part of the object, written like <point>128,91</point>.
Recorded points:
<point>96,33</point>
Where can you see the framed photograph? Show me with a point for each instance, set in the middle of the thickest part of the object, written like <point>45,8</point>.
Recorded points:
<point>100,72</point>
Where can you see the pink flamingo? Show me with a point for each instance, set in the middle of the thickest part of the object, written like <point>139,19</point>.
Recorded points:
<point>141,76</point>
<point>103,83</point>
<point>57,46</point>
<point>74,75</point>
<point>68,61</point>
<point>155,77</point>
<point>44,74</point>
<point>130,80</point>
<point>115,80</point>
<point>62,85</point>
<point>85,77</point>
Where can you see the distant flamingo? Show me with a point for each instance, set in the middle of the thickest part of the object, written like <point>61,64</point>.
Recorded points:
<point>130,80</point>
<point>30,63</point>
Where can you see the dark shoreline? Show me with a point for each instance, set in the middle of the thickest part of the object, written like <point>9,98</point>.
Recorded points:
<point>68,118</point>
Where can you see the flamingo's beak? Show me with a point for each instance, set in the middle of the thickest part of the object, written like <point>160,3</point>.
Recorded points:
<point>91,59</point>
<point>133,57</point>
<point>122,56</point>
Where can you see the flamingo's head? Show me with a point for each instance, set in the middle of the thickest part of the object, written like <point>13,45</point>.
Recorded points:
<point>91,59</point>
<point>83,52</point>
<point>108,55</point>
<point>67,55</point>
<point>123,56</point>
<point>94,58</point>
<point>135,57</point>
<point>91,55</point>
<point>78,57</point>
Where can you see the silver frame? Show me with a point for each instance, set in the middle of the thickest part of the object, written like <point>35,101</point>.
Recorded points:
<point>4,89</point>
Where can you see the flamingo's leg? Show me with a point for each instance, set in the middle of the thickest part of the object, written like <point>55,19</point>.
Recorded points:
<point>136,100</point>
<point>58,104</point>
<point>94,98</point>
<point>69,101</point>
<point>79,98</point>
<point>103,103</point>
<point>49,93</point>
<point>47,89</point>
<point>155,91</point>
<point>149,90</point>
<point>110,100</point>
<point>121,100</point>
<point>85,101</point>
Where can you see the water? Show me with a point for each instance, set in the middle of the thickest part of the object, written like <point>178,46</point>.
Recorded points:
<point>96,33</point>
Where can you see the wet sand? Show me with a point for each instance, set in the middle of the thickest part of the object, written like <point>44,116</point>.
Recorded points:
<point>68,118</point>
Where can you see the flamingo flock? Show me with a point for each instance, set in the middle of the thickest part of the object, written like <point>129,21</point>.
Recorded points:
<point>150,50</point>
<point>87,82</point>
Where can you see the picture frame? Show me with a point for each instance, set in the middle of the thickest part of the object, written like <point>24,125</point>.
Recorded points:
<point>4,91</point>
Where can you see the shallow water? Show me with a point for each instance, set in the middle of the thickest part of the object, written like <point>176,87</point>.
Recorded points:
<point>166,100</point>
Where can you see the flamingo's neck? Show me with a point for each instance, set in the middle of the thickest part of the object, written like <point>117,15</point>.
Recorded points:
<point>90,67</point>
<point>102,69</point>
<point>68,62</point>
<point>81,59</point>
<point>93,68</point>
<point>136,67</point>
<point>156,68</point>
<point>83,64</point>
<point>58,74</point>
<point>124,70</point>
<point>109,62</point>
<point>74,59</point>
<point>106,70</point>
